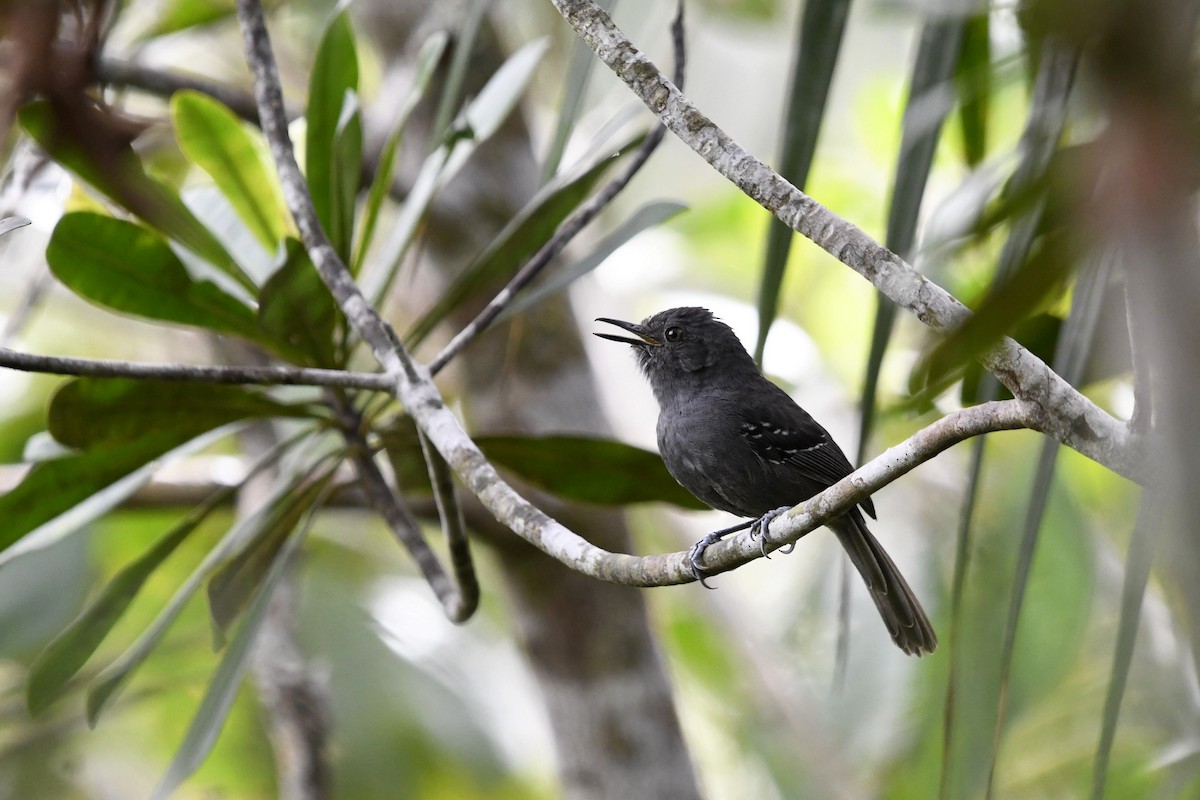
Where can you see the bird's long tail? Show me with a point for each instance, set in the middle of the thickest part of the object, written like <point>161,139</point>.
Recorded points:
<point>899,607</point>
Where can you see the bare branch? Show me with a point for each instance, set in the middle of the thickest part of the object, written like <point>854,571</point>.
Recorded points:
<point>1062,412</point>
<point>262,376</point>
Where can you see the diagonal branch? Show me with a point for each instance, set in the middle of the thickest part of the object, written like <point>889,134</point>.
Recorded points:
<point>1062,411</point>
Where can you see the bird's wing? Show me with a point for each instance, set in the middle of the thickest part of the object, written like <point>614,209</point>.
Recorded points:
<point>781,432</point>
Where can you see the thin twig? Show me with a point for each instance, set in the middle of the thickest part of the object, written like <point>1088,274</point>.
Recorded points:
<point>454,528</point>
<point>259,376</point>
<point>572,225</point>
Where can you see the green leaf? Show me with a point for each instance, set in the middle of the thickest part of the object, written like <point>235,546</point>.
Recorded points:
<point>236,581</point>
<point>649,215</point>
<point>128,268</point>
<point>974,79</point>
<point>589,470</point>
<point>334,74</point>
<point>222,689</point>
<point>521,238</point>
<point>231,152</point>
<point>180,15</point>
<point>53,487</point>
<point>108,683</point>
<point>346,169</point>
<point>818,41</point>
<point>96,413</point>
<point>120,176</point>
<point>297,311</point>
<point>427,60</point>
<point>70,650</point>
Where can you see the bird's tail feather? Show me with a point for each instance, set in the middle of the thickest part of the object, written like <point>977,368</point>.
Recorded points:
<point>899,607</point>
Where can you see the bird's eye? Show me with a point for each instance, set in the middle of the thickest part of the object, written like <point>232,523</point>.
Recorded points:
<point>673,334</point>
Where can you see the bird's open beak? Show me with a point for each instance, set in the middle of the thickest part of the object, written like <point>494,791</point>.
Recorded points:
<point>637,330</point>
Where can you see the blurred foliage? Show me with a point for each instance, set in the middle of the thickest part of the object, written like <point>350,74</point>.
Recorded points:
<point>189,230</point>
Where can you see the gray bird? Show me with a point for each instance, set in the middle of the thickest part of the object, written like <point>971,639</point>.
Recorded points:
<point>740,444</point>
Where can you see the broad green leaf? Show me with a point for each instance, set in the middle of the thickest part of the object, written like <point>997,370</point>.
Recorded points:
<point>334,74</point>
<point>649,215</point>
<point>70,650</point>
<point>120,176</point>
<point>102,412</point>
<point>589,470</point>
<point>427,60</point>
<point>213,138</point>
<point>818,41</point>
<point>345,172</point>
<point>223,688</point>
<point>296,310</point>
<point>128,268</point>
<point>236,581</point>
<point>109,682</point>
<point>513,246</point>
<point>53,487</point>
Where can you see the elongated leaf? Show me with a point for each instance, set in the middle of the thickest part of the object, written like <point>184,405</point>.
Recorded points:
<point>70,650</point>
<point>649,215</point>
<point>345,171</point>
<point>465,37</point>
<point>818,41</point>
<point>121,178</point>
<point>236,581</point>
<point>427,59</point>
<point>213,138</point>
<point>297,311</point>
<point>96,413</point>
<point>924,116</point>
<point>521,238</point>
<point>222,689</point>
<point>180,15</point>
<point>128,268</point>
<point>334,73</point>
<point>109,682</point>
<point>52,487</point>
<point>483,116</point>
<point>974,78</point>
<point>589,470</point>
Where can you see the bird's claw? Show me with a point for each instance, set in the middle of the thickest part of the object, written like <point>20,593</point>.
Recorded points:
<point>696,555</point>
<point>762,527</point>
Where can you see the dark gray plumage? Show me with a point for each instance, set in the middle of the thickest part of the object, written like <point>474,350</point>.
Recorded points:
<point>740,444</point>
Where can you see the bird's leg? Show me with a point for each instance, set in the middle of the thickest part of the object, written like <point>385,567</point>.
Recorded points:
<point>697,552</point>
<point>762,525</point>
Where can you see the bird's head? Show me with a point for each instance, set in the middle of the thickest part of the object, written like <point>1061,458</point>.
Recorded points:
<point>683,347</point>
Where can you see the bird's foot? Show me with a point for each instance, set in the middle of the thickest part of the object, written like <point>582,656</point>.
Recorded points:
<point>696,554</point>
<point>762,526</point>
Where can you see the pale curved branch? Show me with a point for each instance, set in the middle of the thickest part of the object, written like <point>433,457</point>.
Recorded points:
<point>1062,412</point>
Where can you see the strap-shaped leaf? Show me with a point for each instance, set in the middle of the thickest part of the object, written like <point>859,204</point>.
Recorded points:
<point>514,245</point>
<point>334,73</point>
<point>236,581</point>
<point>128,268</point>
<point>91,413</point>
<point>234,156</point>
<point>121,177</point>
<point>296,310</point>
<point>345,173</point>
